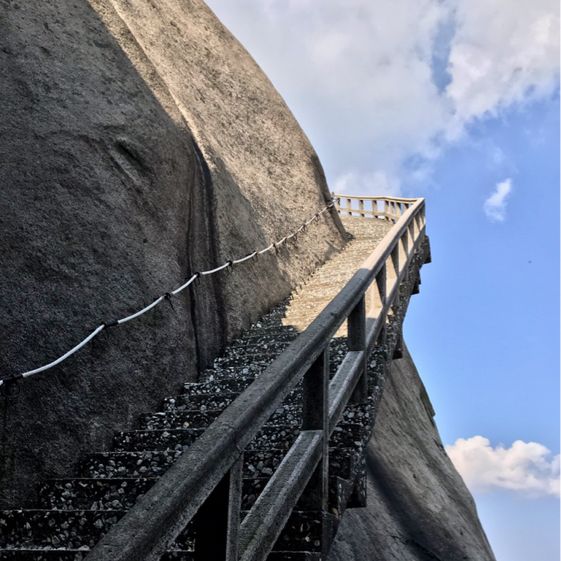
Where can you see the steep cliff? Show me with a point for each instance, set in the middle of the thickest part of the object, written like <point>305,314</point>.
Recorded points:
<point>139,143</point>
<point>419,509</point>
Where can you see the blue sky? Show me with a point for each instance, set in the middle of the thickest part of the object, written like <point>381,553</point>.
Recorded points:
<point>457,101</point>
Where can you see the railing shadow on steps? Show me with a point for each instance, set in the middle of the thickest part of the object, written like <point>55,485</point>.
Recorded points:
<point>206,479</point>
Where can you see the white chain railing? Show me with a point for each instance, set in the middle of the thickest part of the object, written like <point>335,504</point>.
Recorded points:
<point>166,296</point>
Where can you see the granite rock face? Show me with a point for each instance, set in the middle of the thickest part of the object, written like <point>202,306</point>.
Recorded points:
<point>419,508</point>
<point>139,143</point>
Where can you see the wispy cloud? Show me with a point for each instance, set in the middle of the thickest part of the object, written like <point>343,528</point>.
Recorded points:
<point>374,90</point>
<point>375,183</point>
<point>495,205</point>
<point>525,467</point>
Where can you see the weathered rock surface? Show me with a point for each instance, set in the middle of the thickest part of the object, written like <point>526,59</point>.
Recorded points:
<point>419,509</point>
<point>139,143</point>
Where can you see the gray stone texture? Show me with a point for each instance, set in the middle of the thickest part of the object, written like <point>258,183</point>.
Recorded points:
<point>139,143</point>
<point>419,509</point>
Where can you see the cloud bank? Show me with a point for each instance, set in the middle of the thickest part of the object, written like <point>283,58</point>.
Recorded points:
<point>495,205</point>
<point>525,467</point>
<point>382,87</point>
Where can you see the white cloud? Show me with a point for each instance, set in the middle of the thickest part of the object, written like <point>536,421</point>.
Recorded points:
<point>377,85</point>
<point>504,52</point>
<point>495,205</point>
<point>375,183</point>
<point>526,467</point>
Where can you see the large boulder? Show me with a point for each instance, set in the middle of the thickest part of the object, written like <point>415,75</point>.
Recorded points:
<point>419,509</point>
<point>139,143</point>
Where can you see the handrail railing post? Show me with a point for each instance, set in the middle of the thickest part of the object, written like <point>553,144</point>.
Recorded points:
<point>356,327</point>
<point>217,522</point>
<point>315,416</point>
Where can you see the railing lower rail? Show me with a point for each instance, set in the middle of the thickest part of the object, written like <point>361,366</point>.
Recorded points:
<point>209,471</point>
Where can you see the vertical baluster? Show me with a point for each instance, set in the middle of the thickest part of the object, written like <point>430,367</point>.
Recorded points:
<point>218,520</point>
<point>350,206</point>
<point>405,244</point>
<point>411,229</point>
<point>382,284</point>
<point>361,207</point>
<point>356,326</point>
<point>395,259</point>
<point>418,223</point>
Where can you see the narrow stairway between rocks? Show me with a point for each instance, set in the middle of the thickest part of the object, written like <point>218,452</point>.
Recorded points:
<point>73,513</point>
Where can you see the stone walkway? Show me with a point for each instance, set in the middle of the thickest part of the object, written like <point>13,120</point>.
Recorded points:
<point>326,282</point>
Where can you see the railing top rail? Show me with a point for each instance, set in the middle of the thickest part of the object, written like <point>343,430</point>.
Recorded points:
<point>177,495</point>
<point>374,198</point>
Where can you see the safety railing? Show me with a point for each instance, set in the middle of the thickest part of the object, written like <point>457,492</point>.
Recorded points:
<point>385,208</point>
<point>206,479</point>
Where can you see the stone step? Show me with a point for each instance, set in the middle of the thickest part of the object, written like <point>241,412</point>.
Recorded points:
<point>268,326</point>
<point>75,529</point>
<point>93,494</point>
<point>294,556</point>
<point>147,463</point>
<point>121,493</point>
<point>187,400</point>
<point>200,402</point>
<point>152,464</point>
<point>137,440</point>
<point>258,338</point>
<point>171,439</point>
<point>286,414</point>
<point>183,419</point>
<point>215,387</point>
<point>256,347</point>
<point>231,372</point>
<point>43,554</point>
<point>243,359</point>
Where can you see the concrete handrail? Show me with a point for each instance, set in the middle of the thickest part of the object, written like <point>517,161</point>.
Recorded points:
<point>209,470</point>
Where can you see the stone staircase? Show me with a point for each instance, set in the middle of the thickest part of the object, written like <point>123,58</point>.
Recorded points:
<point>73,513</point>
